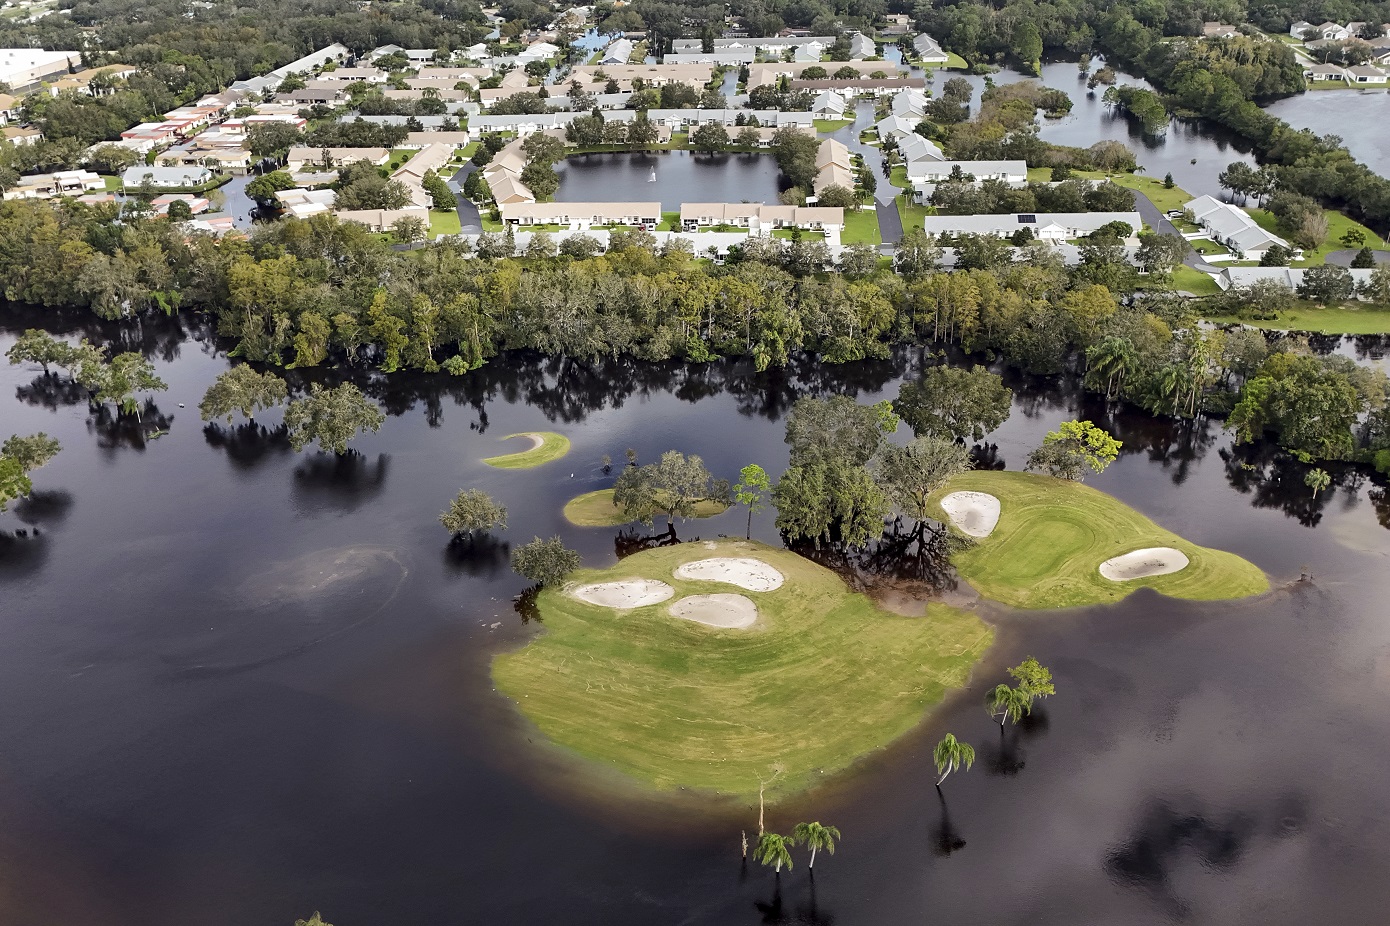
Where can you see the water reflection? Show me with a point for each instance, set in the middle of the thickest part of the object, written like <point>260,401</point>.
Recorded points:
<point>479,555</point>
<point>341,482</point>
<point>46,507</point>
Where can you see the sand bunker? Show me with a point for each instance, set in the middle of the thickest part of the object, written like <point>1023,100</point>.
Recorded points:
<point>752,574</point>
<point>727,611</point>
<point>537,442</point>
<point>975,513</point>
<point>624,595</point>
<point>1140,564</point>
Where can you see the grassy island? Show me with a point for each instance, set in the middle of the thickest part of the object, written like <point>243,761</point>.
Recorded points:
<point>1053,535</point>
<point>546,446</point>
<point>822,677</point>
<point>596,509</point>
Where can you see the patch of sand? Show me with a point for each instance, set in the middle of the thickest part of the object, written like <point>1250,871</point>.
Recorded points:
<point>1140,564</point>
<point>730,612</point>
<point>745,572</point>
<point>536,441</point>
<point>625,595</point>
<point>975,513</point>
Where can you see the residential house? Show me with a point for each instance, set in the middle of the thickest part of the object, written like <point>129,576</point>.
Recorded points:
<point>1319,73</point>
<point>1234,228</point>
<point>1054,227</point>
<point>914,148</point>
<point>758,217</point>
<point>196,204</point>
<point>21,135</point>
<point>1332,32</point>
<point>619,51</point>
<point>895,127</point>
<point>829,105</point>
<point>23,68</point>
<point>910,104</point>
<point>59,183</point>
<point>508,190</point>
<point>9,108</point>
<point>641,214</point>
<point>1212,30</point>
<point>861,47</point>
<point>834,166</point>
<point>302,203</point>
<point>412,172</point>
<point>540,51</point>
<point>928,51</point>
<point>302,156</point>
<point>382,220</point>
<point>1365,74</point>
<point>1290,277</point>
<point>732,58</point>
<point>927,173</point>
<point>865,85</point>
<point>165,178</point>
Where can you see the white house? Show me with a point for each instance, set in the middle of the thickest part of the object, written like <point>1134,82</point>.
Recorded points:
<point>909,103</point>
<point>1365,74</point>
<point>895,127</point>
<point>928,51</point>
<point>1232,227</point>
<point>914,148</point>
<point>829,105</point>
<point>540,51</point>
<point>618,52</point>
<point>861,47</point>
<point>165,178</point>
<point>929,173</point>
<point>1054,227</point>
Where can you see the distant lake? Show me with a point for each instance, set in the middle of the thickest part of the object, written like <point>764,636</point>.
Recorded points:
<point>681,177</point>
<point>1361,118</point>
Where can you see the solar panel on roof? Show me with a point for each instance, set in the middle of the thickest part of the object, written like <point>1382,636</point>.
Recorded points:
<point>1024,219</point>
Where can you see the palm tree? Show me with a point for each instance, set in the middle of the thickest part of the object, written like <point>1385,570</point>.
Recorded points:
<point>1110,361</point>
<point>774,850</point>
<point>814,836</point>
<point>951,754</point>
<point>1008,704</point>
<point>1317,480</point>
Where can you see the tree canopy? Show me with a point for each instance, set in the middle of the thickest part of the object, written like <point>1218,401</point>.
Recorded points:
<point>1073,448</point>
<point>332,417</point>
<point>953,402</point>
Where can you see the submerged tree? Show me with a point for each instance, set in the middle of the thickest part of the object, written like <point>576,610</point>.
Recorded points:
<point>20,455</point>
<point>120,380</point>
<point>544,562</point>
<point>1034,678</point>
<point>675,486</point>
<point>473,511</point>
<point>774,850</point>
<point>1317,480</point>
<point>814,836</point>
<point>332,417</point>
<point>951,402</point>
<point>315,920</point>
<point>1008,704</point>
<point>242,389</point>
<point>38,346</point>
<point>951,754</point>
<point>751,491</point>
<point>910,474</point>
<point>1074,447</point>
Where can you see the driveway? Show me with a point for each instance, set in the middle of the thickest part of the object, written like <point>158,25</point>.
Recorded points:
<point>1155,219</point>
<point>469,218</point>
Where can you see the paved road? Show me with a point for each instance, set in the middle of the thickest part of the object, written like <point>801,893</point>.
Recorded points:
<point>890,224</point>
<point>469,218</point>
<point>1344,258</point>
<point>1155,219</point>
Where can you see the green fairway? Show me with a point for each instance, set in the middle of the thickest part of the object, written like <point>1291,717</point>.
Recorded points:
<point>823,677</point>
<point>596,509</point>
<point>1053,535</point>
<point>552,446</point>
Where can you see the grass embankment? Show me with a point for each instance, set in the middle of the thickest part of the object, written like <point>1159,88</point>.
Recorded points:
<point>1190,280</point>
<point>597,509</point>
<point>911,213</point>
<point>552,447</point>
<point>1053,535</point>
<point>827,126</point>
<point>1337,226</point>
<point>1348,319</point>
<point>824,676</point>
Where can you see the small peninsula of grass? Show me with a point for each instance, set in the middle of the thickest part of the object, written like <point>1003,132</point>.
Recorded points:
<point>546,447</point>
<point>596,509</point>
<point>1053,535</point>
<point>822,677</point>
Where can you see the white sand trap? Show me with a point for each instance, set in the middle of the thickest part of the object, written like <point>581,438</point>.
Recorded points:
<point>536,441</point>
<point>630,593</point>
<point>1140,564</point>
<point>752,574</point>
<point>975,513</point>
<point>732,612</point>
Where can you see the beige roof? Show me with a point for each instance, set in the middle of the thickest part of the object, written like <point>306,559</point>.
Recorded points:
<point>597,213</point>
<point>696,74</point>
<point>832,152</point>
<point>452,139</point>
<point>303,154</point>
<point>759,74</point>
<point>453,74</point>
<point>430,157</point>
<point>738,213</point>
<point>507,189</point>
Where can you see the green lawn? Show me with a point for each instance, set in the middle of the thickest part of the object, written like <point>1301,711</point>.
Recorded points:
<point>1053,535</point>
<point>832,125</point>
<point>670,221</point>
<point>897,176</point>
<point>444,222</point>
<point>552,447</point>
<point>861,227</point>
<point>1194,281</point>
<point>399,156</point>
<point>1165,199</point>
<point>789,234</point>
<point>1308,317</point>
<point>823,677</point>
<point>1337,226</point>
<point>911,213</point>
<point>596,509</point>
<point>112,184</point>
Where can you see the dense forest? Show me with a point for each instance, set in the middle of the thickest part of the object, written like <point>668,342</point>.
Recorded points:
<point>305,293</point>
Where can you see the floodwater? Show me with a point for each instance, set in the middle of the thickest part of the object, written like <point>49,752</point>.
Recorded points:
<point>243,684</point>
<point>673,177</point>
<point>1360,118</point>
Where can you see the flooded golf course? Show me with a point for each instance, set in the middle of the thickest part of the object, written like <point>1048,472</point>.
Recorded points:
<point>242,684</point>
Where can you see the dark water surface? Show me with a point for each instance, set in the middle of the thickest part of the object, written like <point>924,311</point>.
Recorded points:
<point>1361,118</point>
<point>242,684</point>
<point>681,177</point>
